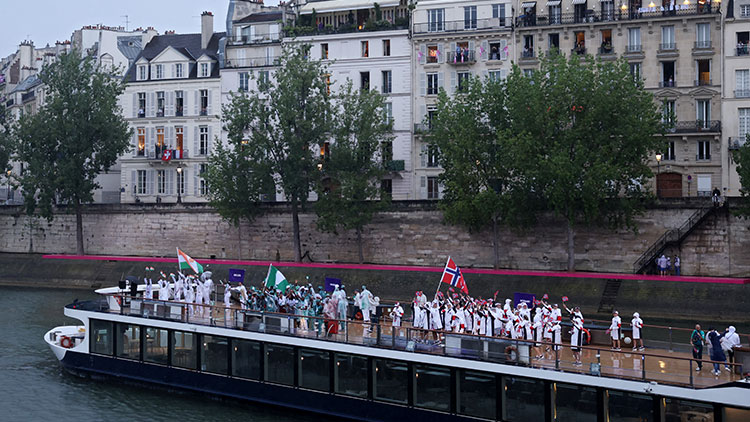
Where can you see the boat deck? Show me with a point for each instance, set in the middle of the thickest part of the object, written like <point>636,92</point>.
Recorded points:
<point>651,365</point>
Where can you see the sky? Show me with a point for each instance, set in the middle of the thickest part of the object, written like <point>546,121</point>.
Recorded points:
<point>47,21</point>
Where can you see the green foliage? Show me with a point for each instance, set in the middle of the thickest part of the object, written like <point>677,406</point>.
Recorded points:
<point>290,116</point>
<point>574,139</point>
<point>6,141</point>
<point>742,158</point>
<point>78,133</point>
<point>237,180</point>
<point>349,192</point>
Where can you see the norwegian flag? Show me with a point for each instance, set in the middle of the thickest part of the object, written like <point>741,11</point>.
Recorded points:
<point>452,275</point>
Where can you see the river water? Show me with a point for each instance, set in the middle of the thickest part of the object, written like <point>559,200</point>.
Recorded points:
<point>33,386</point>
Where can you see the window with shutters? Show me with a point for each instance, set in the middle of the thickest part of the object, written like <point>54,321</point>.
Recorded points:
<point>667,38</point>
<point>433,190</point>
<point>324,51</point>
<point>178,70</point>
<point>704,151</point>
<point>436,20</point>
<point>496,75</point>
<point>204,70</point>
<point>365,48</point>
<point>463,81</point>
<point>745,10</point>
<point>141,133</point>
<point>159,71</point>
<point>179,132</point>
<point>432,84</point>
<point>498,12</point>
<point>160,145</point>
<point>744,123</point>
<point>432,53</point>
<point>634,40</point>
<point>160,104</point>
<point>161,182</point>
<point>742,83</point>
<point>668,111</point>
<point>670,153</point>
<point>203,140</point>
<point>181,182</point>
<point>203,181</point>
<point>244,81</point>
<point>204,102</point>
<point>141,104</point>
<point>140,185</point>
<point>432,156</point>
<point>635,71</point>
<point>364,81</point>
<point>703,35</point>
<point>497,50</point>
<point>386,47</point>
<point>387,81</point>
<point>470,17</point>
<point>388,112</point>
<point>142,73</point>
<point>263,78</point>
<point>179,103</point>
<point>703,113</point>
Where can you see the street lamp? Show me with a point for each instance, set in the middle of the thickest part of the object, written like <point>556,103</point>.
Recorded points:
<point>658,171</point>
<point>179,184</point>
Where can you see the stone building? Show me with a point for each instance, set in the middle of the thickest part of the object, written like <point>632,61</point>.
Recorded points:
<point>735,108</point>
<point>368,43</point>
<point>674,47</point>
<point>172,102</point>
<point>452,41</point>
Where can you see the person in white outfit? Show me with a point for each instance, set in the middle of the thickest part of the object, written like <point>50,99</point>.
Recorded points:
<point>637,324</point>
<point>614,330</point>
<point>396,313</point>
<point>729,342</point>
<point>556,332</point>
<point>576,339</point>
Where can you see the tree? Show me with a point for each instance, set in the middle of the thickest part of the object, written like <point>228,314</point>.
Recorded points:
<point>291,117</point>
<point>78,133</point>
<point>590,132</point>
<point>6,141</point>
<point>742,158</point>
<point>236,178</point>
<point>349,193</point>
<point>482,182</point>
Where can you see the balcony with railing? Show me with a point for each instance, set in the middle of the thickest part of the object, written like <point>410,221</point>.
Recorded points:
<point>669,83</point>
<point>527,54</point>
<point>606,50</point>
<point>253,62</point>
<point>743,50</point>
<point>702,45</point>
<point>703,82</point>
<point>580,50</point>
<point>667,46</point>
<point>460,26</point>
<point>256,38</point>
<point>595,16</point>
<point>303,31</point>
<point>462,57</point>
<point>693,126</point>
<point>633,49</point>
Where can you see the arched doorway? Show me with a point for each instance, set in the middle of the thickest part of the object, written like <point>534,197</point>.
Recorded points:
<point>669,185</point>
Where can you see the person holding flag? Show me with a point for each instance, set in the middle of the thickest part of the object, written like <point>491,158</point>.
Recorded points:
<point>275,279</point>
<point>452,275</point>
<point>185,262</point>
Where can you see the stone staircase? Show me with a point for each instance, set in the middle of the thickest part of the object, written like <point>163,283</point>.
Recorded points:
<point>672,238</point>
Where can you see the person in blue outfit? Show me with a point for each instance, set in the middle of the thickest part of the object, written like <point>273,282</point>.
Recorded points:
<point>717,354</point>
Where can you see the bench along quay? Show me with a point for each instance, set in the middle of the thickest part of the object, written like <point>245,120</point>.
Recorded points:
<point>375,371</point>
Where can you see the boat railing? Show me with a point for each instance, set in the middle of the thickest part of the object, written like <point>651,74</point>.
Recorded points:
<point>600,361</point>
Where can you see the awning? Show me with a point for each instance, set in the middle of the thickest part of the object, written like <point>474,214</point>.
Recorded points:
<point>527,4</point>
<point>553,3</point>
<point>579,1</point>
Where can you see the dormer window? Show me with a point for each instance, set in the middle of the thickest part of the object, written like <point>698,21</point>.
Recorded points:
<point>159,71</point>
<point>178,73</point>
<point>204,70</point>
<point>142,73</point>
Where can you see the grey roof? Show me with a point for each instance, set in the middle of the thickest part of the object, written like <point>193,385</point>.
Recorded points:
<point>187,44</point>
<point>27,84</point>
<point>130,46</point>
<point>261,17</point>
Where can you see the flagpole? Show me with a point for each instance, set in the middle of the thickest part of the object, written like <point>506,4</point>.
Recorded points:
<point>441,277</point>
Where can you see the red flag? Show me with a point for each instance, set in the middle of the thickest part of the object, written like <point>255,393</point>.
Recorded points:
<point>564,298</point>
<point>452,275</point>
<point>166,155</point>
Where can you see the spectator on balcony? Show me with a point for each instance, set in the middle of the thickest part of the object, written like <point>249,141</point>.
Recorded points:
<point>457,55</point>
<point>494,55</point>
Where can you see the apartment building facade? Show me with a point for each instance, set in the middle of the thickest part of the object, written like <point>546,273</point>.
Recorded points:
<point>675,48</point>
<point>172,103</point>
<point>735,109</point>
<point>452,41</point>
<point>368,44</point>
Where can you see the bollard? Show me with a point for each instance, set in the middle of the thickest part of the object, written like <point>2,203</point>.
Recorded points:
<point>670,339</point>
<point>393,337</point>
<point>643,366</point>
<point>690,368</point>
<point>557,358</point>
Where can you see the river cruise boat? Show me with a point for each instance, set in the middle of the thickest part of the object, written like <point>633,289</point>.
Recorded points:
<point>376,372</point>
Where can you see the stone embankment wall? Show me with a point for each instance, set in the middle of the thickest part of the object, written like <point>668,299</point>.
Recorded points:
<point>412,233</point>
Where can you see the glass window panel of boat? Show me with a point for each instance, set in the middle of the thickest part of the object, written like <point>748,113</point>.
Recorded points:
<point>733,414</point>
<point>101,337</point>
<point>279,364</point>
<point>129,344</point>
<point>432,387</point>
<point>391,380</point>
<point>574,403</point>
<point>676,410</point>
<point>524,399</point>
<point>246,359</point>
<point>350,375</point>
<point>214,354</point>
<point>184,349</point>
<point>626,407</point>
<point>156,347</point>
<point>314,370</point>
<point>477,394</point>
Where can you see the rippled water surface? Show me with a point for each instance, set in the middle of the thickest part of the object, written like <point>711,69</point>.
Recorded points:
<point>33,387</point>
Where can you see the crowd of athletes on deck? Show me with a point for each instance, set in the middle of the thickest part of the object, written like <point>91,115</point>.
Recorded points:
<point>454,312</point>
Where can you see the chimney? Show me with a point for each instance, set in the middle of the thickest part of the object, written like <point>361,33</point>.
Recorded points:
<point>207,28</point>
